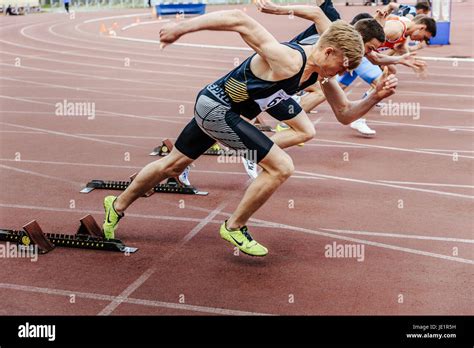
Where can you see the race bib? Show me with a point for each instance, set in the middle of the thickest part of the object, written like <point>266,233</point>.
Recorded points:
<point>271,101</point>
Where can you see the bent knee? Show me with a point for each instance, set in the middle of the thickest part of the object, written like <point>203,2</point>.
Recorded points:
<point>285,168</point>
<point>308,134</point>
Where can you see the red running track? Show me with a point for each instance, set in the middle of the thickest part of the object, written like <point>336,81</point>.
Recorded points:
<point>405,195</point>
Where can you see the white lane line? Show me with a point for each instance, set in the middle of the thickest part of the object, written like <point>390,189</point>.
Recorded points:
<point>385,246</point>
<point>76,89</point>
<point>133,25</point>
<point>450,151</point>
<point>98,77</point>
<point>49,177</point>
<point>425,184</point>
<point>148,303</point>
<point>398,235</point>
<point>103,113</point>
<point>203,223</point>
<point>237,48</point>
<point>317,120</point>
<point>120,166</point>
<point>21,132</point>
<point>459,128</point>
<point>93,20</point>
<point>375,183</point>
<point>392,148</point>
<point>269,224</point>
<point>70,135</point>
<point>446,109</point>
<point>101,212</point>
<point>127,292</point>
<point>109,66</point>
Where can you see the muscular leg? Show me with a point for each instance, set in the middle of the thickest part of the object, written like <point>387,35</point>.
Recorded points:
<point>277,167</point>
<point>151,175</point>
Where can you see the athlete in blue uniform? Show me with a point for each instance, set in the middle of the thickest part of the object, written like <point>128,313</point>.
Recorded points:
<point>373,36</point>
<point>409,11</point>
<point>263,82</point>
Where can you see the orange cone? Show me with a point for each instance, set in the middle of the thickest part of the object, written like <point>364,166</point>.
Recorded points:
<point>103,29</point>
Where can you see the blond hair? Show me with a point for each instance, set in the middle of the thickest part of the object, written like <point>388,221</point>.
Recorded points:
<point>344,38</point>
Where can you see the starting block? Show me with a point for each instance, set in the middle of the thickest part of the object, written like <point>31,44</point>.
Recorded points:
<point>172,185</point>
<point>166,147</point>
<point>88,236</point>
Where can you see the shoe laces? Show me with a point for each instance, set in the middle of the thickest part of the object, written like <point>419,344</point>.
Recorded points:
<point>245,232</point>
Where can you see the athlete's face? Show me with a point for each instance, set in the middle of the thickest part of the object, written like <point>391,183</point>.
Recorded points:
<point>372,45</point>
<point>331,62</point>
<point>421,34</point>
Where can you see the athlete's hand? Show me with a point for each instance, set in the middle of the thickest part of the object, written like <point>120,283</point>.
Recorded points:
<point>386,86</point>
<point>266,6</point>
<point>381,17</point>
<point>417,64</point>
<point>169,33</point>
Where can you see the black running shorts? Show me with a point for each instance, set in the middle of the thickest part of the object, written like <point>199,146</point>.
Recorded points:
<point>215,121</point>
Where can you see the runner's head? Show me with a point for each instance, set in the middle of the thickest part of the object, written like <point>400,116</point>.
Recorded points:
<point>424,28</point>
<point>372,34</point>
<point>422,7</point>
<point>340,48</point>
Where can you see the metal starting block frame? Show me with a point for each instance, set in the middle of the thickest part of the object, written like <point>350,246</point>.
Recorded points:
<point>88,236</point>
<point>172,185</point>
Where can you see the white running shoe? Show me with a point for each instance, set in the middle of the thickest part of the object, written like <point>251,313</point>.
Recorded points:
<point>184,176</point>
<point>360,125</point>
<point>250,168</point>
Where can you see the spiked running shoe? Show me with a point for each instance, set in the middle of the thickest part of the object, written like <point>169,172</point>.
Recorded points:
<point>111,218</point>
<point>243,240</point>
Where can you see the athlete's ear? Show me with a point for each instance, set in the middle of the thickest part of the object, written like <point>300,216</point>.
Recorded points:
<point>328,51</point>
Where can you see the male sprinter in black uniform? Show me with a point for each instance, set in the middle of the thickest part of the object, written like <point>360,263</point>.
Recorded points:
<point>264,81</point>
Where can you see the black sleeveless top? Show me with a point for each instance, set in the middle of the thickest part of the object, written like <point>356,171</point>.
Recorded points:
<point>251,95</point>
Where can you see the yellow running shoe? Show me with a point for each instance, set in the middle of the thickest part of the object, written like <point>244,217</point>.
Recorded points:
<point>216,147</point>
<point>111,218</point>
<point>243,240</point>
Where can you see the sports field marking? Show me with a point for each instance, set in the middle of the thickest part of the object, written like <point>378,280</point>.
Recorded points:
<point>426,184</point>
<point>398,235</point>
<point>375,183</point>
<point>142,302</point>
<point>269,224</point>
<point>391,148</point>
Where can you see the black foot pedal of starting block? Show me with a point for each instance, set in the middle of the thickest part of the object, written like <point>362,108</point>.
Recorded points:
<point>88,236</point>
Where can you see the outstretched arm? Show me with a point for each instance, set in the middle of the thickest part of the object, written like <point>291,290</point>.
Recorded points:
<point>347,111</point>
<point>280,58</point>
<point>407,59</point>
<point>312,13</point>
